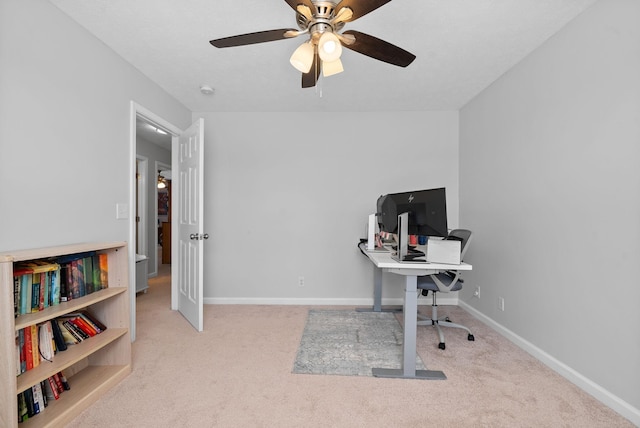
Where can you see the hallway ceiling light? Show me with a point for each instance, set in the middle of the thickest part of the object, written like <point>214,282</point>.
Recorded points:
<point>162,182</point>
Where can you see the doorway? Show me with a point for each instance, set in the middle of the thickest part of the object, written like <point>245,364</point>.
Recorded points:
<point>150,130</point>
<point>163,211</point>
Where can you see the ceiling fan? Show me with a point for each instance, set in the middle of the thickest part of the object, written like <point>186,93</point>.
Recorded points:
<point>322,21</point>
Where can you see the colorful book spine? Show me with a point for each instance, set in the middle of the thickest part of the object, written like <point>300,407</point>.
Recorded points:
<point>87,264</point>
<point>43,291</point>
<point>35,345</point>
<point>28,349</point>
<point>35,292</point>
<point>104,270</point>
<point>55,287</point>
<point>25,292</point>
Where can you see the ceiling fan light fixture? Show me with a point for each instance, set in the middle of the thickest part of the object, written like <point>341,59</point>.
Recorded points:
<point>329,47</point>
<point>302,57</point>
<point>332,67</point>
<point>162,182</point>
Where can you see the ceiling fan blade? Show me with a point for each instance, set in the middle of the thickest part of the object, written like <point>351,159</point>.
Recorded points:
<point>379,49</point>
<point>359,7</point>
<point>252,38</point>
<point>310,79</point>
<point>294,4</point>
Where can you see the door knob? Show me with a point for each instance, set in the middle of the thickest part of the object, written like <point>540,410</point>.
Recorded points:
<point>193,236</point>
<point>205,236</point>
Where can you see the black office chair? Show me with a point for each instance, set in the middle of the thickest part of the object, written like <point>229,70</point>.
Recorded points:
<point>444,283</point>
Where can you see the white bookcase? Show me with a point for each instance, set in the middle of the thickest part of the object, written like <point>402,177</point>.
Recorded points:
<point>91,367</point>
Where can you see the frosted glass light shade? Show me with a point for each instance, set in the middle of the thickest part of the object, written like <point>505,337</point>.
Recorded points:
<point>331,68</point>
<point>302,58</point>
<point>329,47</point>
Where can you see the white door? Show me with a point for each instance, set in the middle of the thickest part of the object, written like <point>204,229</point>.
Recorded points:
<point>190,234</point>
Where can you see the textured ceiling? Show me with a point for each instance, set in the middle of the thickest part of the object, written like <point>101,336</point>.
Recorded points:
<point>462,46</point>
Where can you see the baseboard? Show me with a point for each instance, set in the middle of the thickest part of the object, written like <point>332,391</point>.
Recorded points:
<point>319,301</point>
<point>598,392</point>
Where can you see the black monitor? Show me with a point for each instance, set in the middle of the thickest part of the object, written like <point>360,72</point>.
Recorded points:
<point>427,212</point>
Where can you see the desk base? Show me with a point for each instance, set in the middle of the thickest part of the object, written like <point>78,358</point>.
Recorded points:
<point>397,309</point>
<point>418,374</point>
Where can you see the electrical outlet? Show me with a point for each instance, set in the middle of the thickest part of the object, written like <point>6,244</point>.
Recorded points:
<point>501,303</point>
<point>301,281</point>
<point>477,292</point>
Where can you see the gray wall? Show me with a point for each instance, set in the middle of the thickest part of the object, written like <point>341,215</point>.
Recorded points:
<point>64,129</point>
<point>288,195</point>
<point>550,183</point>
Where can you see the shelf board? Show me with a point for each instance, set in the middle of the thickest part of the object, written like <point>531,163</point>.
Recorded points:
<point>87,387</point>
<point>65,359</point>
<point>65,307</point>
<point>42,253</point>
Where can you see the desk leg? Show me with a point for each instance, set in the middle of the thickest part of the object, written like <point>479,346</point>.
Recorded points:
<point>408,370</point>
<point>377,295</point>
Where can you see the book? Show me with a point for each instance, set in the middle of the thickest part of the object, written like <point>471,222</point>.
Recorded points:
<point>52,389</point>
<point>69,338</point>
<point>45,340</point>
<point>41,282</point>
<point>65,384</point>
<point>28,398</point>
<point>80,326</point>
<point>44,294</point>
<point>17,352</point>
<point>25,289</point>
<point>89,319</point>
<point>38,399</point>
<point>16,295</point>
<point>104,270</point>
<point>59,339</point>
<point>85,326</point>
<point>23,361</point>
<point>55,287</point>
<point>77,275</point>
<point>66,282</point>
<point>58,382</point>
<point>78,334</point>
<point>28,349</point>
<point>87,264</point>
<point>43,390</point>
<point>35,345</point>
<point>35,292</point>
<point>23,414</point>
<point>92,319</point>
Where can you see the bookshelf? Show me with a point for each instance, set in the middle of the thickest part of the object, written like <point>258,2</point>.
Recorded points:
<point>92,366</point>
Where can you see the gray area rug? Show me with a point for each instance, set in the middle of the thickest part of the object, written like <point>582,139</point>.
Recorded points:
<point>350,343</point>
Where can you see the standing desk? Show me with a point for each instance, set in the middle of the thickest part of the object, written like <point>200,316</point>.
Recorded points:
<point>383,262</point>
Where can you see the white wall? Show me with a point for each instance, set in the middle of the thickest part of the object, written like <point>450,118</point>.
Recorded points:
<point>288,195</point>
<point>64,129</point>
<point>550,184</point>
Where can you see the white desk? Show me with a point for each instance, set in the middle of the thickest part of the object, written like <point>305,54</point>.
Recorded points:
<point>383,262</point>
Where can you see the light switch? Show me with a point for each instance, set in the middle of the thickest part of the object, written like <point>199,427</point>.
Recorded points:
<point>122,211</point>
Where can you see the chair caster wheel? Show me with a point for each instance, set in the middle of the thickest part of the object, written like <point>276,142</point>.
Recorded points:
<point>441,345</point>
<point>471,338</point>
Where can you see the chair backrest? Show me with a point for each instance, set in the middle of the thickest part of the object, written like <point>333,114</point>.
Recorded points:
<point>462,235</point>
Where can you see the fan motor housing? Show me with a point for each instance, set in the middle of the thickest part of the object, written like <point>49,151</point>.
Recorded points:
<point>321,22</point>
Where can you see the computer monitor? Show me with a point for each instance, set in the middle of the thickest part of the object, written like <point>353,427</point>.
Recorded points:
<point>427,212</point>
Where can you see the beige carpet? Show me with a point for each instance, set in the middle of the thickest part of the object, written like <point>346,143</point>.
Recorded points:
<point>238,373</point>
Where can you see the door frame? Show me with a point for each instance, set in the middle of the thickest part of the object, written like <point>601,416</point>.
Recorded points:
<point>135,111</point>
<point>141,205</point>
